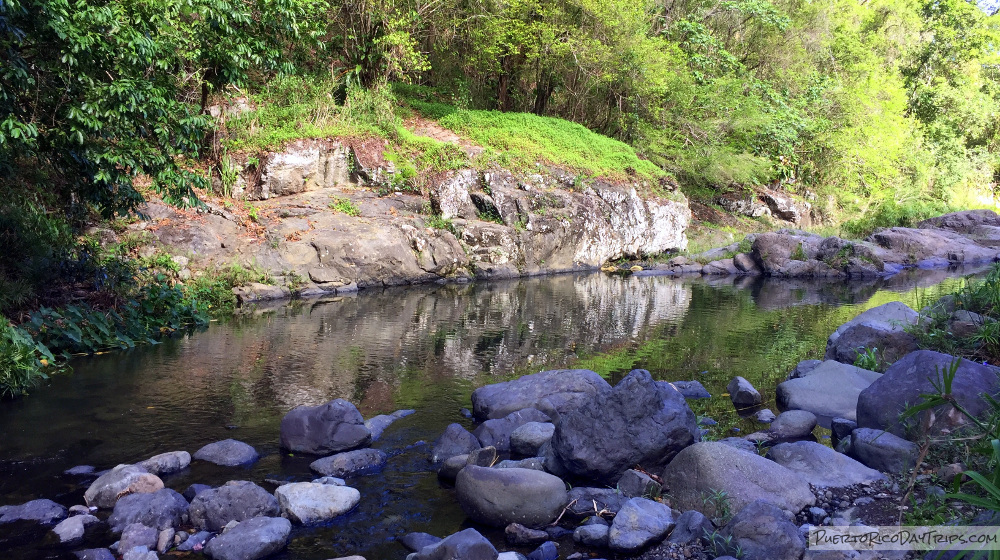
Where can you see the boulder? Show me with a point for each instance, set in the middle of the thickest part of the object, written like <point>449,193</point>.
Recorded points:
<point>42,512</point>
<point>72,530</point>
<point>533,463</point>
<point>496,432</point>
<point>723,267</point>
<point>939,247</point>
<point>529,438</point>
<point>455,440</point>
<point>415,542</point>
<point>484,457</point>
<point>883,451</point>
<point>691,389</point>
<point>829,390</point>
<point>640,522</point>
<point>449,469</point>
<point>708,467</point>
<point>309,502</point>
<point>236,500</point>
<point>882,327</point>
<point>140,553</point>
<point>167,463</point>
<point>194,490</point>
<point>638,422</point>
<point>804,368</point>
<point>595,536</point>
<point>692,527</point>
<point>546,551</point>
<point>159,510</point>
<point>464,545</point>
<point>765,416</point>
<point>742,393</point>
<point>329,428</point>
<point>794,424</point>
<point>762,532</point>
<point>840,429</point>
<point>499,497</point>
<point>745,263</point>
<point>378,424</point>
<point>120,481</point>
<point>821,466</point>
<point>135,535</point>
<point>553,392</point>
<point>966,221</point>
<point>586,501</point>
<point>252,539</point>
<point>351,463</point>
<point>228,453</point>
<point>884,401</point>
<point>519,535</point>
<point>635,484</point>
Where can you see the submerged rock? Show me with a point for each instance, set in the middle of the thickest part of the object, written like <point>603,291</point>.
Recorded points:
<point>378,424</point>
<point>742,393</point>
<point>329,428</point>
<point>499,497</point>
<point>228,453</point>
<point>252,539</point>
<point>308,502</point>
<point>415,542</point>
<point>554,392</point>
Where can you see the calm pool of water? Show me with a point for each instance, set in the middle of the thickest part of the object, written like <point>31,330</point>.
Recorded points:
<point>424,348</point>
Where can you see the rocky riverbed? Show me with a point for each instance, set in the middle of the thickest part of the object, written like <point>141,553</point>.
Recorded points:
<point>558,464</point>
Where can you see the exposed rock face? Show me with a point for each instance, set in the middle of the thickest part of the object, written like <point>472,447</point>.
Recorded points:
<point>638,422</point>
<point>120,481</point>
<point>882,327</point>
<point>236,500</point>
<point>829,390</point>
<point>252,539</point>
<point>763,533</point>
<point>303,165</point>
<point>821,466</point>
<point>330,428</point>
<point>711,466</point>
<point>556,391</point>
<point>499,497</point>
<point>881,404</point>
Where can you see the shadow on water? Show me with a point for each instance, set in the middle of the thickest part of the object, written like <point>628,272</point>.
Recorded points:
<point>424,348</point>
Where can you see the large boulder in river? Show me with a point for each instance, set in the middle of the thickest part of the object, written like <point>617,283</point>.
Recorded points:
<point>496,432</point>
<point>762,532</point>
<point>329,428</point>
<point>252,539</point>
<point>464,545</point>
<point>882,327</point>
<point>830,390</point>
<point>455,441</point>
<point>884,401</point>
<point>120,481</point>
<point>883,451</point>
<point>821,466</point>
<point>638,422</point>
<point>554,392</point>
<point>640,522</point>
<point>499,497</point>
<point>236,500</point>
<point>311,502</point>
<point>159,510</point>
<point>708,467</point>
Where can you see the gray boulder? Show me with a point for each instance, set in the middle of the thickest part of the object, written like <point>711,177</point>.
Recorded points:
<point>499,497</point>
<point>236,500</point>
<point>329,428</point>
<point>377,424</point>
<point>228,453</point>
<point>72,530</point>
<point>882,327</point>
<point>496,432</point>
<point>455,440</point>
<point>449,469</point>
<point>351,463</point>
<point>692,527</point>
<point>762,532</point>
<point>159,510</point>
<point>194,490</point>
<point>533,463</point>
<point>804,368</point>
<point>883,451</point>
<point>841,428</point>
<point>765,416</point>
<point>167,463</point>
<point>595,536</point>
<point>708,467</point>
<point>309,502</point>
<point>691,389</point>
<point>120,481</point>
<point>640,522</point>
<point>793,424</point>
<point>529,438</point>
<point>821,466</point>
<point>464,545</point>
<point>585,501</point>
<point>140,553</point>
<point>635,484</point>
<point>742,393</point>
<point>830,389</point>
<point>135,535</point>
<point>252,539</point>
<point>638,422</point>
<point>43,512</point>
<point>882,403</point>
<point>415,542</point>
<point>484,457</point>
<point>554,392</point>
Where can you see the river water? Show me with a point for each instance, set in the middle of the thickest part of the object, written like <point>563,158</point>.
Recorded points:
<point>423,348</point>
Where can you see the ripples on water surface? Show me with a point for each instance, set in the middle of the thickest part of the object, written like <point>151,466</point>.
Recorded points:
<point>424,348</point>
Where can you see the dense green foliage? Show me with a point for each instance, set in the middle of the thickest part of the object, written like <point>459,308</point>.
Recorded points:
<point>981,297</point>
<point>22,362</point>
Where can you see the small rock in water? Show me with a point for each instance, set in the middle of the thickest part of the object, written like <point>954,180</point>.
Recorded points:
<point>530,437</point>
<point>94,554</point>
<point>165,540</point>
<point>639,523</point>
<point>252,539</point>
<point>236,500</point>
<point>706,421</point>
<point>329,428</point>
<point>519,535</point>
<point>415,542</point>
<point>466,412</point>
<point>228,453</point>
<point>331,480</point>
<point>71,531</point>
<point>557,532</point>
<point>81,470</point>
<point>351,463</point>
<point>464,544</point>
<point>742,393</point>
<point>140,553</point>
<point>44,512</point>
<point>794,424</point>
<point>307,502</point>
<point>449,470</point>
<point>167,463</point>
<point>455,440</point>
<point>120,481</point>
<point>79,510</point>
<point>691,389</point>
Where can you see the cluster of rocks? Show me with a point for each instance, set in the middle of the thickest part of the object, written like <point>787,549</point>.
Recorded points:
<point>966,237</point>
<point>239,520</point>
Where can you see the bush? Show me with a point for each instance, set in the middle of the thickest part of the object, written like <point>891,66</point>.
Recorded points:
<point>22,361</point>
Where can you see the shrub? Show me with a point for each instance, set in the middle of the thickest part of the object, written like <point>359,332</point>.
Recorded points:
<point>22,361</point>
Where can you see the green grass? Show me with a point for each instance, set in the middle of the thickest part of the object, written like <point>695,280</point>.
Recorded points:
<point>345,206</point>
<point>519,140</point>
